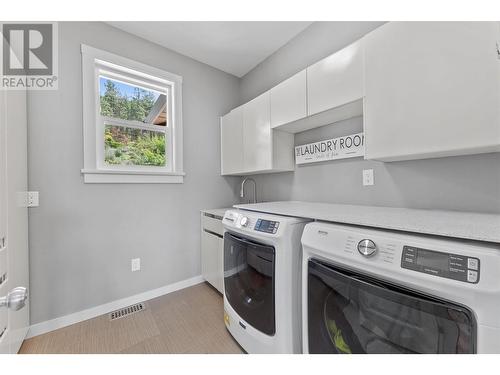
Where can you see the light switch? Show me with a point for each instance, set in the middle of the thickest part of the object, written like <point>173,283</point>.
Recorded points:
<point>136,264</point>
<point>368,177</point>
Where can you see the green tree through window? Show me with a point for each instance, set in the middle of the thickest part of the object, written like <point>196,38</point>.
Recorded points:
<point>125,145</point>
<point>120,104</point>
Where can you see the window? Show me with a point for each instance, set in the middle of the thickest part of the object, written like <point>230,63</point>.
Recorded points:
<point>132,121</point>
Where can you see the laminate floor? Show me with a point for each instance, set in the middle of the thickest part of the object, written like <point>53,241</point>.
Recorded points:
<point>187,321</point>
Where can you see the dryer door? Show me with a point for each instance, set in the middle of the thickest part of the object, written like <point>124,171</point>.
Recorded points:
<point>352,313</point>
<point>249,281</point>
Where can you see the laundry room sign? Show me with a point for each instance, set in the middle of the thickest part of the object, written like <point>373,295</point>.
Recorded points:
<point>349,146</point>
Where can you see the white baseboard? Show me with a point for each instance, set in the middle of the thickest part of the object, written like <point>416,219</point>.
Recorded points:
<point>63,321</point>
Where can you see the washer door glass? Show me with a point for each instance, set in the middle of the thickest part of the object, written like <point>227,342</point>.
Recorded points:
<point>352,313</point>
<point>249,281</point>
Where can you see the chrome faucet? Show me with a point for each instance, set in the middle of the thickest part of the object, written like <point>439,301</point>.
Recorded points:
<point>242,190</point>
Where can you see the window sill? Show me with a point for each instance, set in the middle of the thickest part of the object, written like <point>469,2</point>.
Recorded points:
<point>131,177</point>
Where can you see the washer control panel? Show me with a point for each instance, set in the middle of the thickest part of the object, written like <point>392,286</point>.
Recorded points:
<point>266,226</point>
<point>451,266</point>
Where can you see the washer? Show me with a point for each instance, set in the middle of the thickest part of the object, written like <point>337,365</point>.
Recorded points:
<point>377,291</point>
<point>262,284</point>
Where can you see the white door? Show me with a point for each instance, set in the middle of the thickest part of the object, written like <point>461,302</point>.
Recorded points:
<point>14,266</point>
<point>4,287</point>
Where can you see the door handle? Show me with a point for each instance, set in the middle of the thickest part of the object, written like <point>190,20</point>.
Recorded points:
<point>15,299</point>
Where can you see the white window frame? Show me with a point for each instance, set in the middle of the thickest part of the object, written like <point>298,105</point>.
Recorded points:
<point>97,63</point>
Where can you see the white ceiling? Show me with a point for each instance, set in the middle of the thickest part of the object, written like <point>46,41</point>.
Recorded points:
<point>233,47</point>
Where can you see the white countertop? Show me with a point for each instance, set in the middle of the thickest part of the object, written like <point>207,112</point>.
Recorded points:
<point>465,225</point>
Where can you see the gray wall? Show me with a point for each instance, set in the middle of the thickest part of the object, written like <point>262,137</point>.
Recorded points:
<point>83,236</point>
<point>468,183</point>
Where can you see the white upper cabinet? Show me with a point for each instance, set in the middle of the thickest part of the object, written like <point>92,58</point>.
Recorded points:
<point>336,80</point>
<point>288,100</point>
<point>431,90</point>
<point>257,140</point>
<point>425,89</point>
<point>231,129</point>
<point>248,143</point>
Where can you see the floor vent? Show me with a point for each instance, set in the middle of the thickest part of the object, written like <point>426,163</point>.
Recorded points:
<point>126,311</point>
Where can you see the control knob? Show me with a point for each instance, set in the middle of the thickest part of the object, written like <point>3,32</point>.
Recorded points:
<point>244,221</point>
<point>367,248</point>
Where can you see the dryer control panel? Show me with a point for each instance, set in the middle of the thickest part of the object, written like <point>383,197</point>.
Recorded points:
<point>451,266</point>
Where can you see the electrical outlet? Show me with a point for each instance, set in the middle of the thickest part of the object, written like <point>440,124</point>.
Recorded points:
<point>32,199</point>
<point>368,177</point>
<point>135,264</point>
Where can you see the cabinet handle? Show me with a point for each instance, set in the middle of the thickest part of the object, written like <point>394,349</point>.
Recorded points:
<point>212,233</point>
<point>498,50</point>
<point>217,217</point>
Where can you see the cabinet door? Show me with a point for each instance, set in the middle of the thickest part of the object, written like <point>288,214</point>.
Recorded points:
<point>431,89</point>
<point>210,248</point>
<point>288,100</point>
<point>231,129</point>
<point>336,80</point>
<point>257,137</point>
